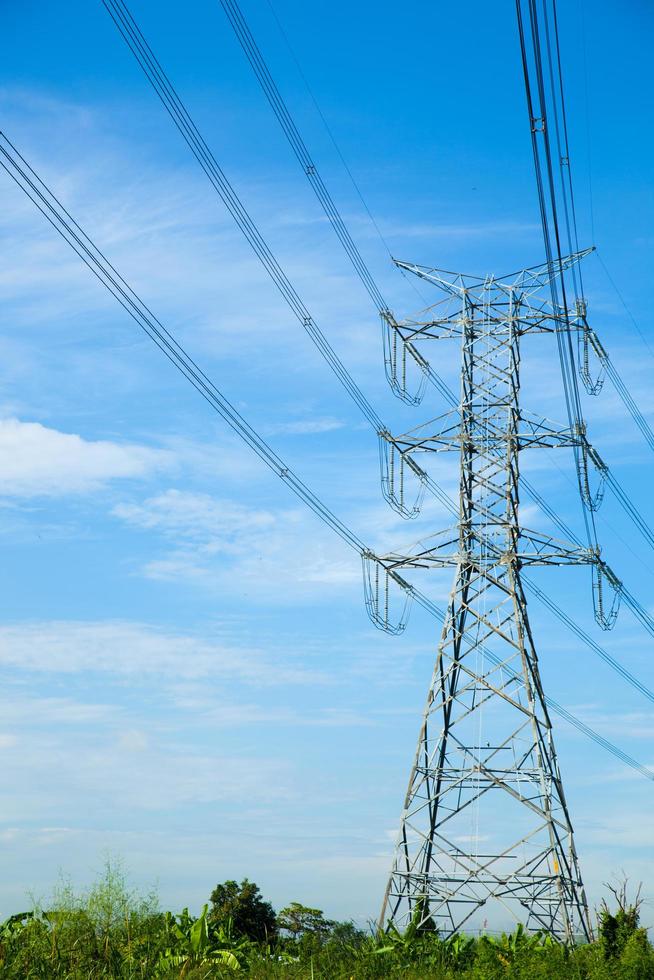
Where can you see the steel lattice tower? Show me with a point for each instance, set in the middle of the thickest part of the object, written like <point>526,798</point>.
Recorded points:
<point>485,756</point>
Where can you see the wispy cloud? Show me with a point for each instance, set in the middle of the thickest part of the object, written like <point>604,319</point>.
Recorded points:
<point>40,461</point>
<point>302,427</point>
<point>449,230</point>
<point>135,650</point>
<point>228,545</point>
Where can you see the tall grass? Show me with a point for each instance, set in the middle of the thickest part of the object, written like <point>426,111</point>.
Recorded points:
<point>111,931</point>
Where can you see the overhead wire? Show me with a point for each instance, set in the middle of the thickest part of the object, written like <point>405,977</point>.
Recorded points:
<point>558,103</point>
<point>182,120</point>
<point>538,118</point>
<point>166,92</point>
<point>262,72</point>
<point>65,225</point>
<point>269,87</point>
<point>589,158</point>
<point>329,131</point>
<point>290,129</point>
<point>623,302</point>
<point>260,68</point>
<point>567,196</point>
<point>588,640</point>
<point>539,125</point>
<point>151,67</point>
<point>271,91</point>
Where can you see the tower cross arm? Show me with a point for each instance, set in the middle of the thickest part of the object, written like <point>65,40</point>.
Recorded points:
<point>481,548</point>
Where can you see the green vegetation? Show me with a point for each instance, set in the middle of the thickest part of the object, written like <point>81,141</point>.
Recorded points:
<point>111,932</point>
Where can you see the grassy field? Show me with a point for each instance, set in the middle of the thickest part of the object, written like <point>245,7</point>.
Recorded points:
<point>111,932</point>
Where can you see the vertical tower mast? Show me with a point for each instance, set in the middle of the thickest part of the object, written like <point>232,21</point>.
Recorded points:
<point>485,820</point>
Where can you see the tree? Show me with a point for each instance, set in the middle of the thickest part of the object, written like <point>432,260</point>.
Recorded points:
<point>300,919</point>
<point>616,929</point>
<point>244,907</point>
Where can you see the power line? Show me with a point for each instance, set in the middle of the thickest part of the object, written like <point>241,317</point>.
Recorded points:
<point>290,129</point>
<point>589,159</point>
<point>620,296</point>
<point>180,116</point>
<point>166,92</point>
<point>567,197</point>
<point>66,226</point>
<point>537,109</point>
<point>538,115</point>
<point>260,68</point>
<point>308,165</point>
<point>169,97</point>
<point>328,128</point>
<point>271,91</point>
<point>589,641</point>
<point>52,209</point>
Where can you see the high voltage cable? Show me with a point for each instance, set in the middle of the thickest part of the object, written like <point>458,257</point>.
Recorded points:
<point>262,72</point>
<point>623,302</point>
<point>150,66</point>
<point>66,226</point>
<point>271,91</point>
<point>178,113</point>
<point>52,209</point>
<point>330,133</point>
<point>152,69</point>
<point>567,192</point>
<point>588,640</point>
<point>167,94</point>
<point>629,402</point>
<point>628,505</point>
<point>539,125</point>
<point>253,54</point>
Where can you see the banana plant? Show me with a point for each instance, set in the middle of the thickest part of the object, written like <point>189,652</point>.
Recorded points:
<point>189,944</point>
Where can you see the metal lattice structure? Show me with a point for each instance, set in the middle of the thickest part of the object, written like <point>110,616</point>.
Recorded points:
<point>485,756</point>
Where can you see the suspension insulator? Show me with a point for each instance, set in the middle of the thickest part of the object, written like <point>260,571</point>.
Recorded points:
<point>402,491</point>
<point>377,587</point>
<point>603,577</point>
<point>585,341</point>
<point>395,362</point>
<point>592,500</point>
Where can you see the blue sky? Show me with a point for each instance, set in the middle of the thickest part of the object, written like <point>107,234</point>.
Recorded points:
<point>189,677</point>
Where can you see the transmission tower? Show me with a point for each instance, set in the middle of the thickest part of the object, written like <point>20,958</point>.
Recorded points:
<point>485,820</point>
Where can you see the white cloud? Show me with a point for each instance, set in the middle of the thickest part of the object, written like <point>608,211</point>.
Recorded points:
<point>113,771</point>
<point>133,649</point>
<point>301,427</point>
<point>228,545</point>
<point>196,516</point>
<point>38,461</point>
<point>630,724</point>
<point>53,711</point>
<point>482,230</point>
